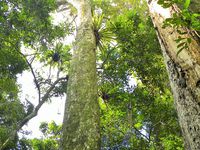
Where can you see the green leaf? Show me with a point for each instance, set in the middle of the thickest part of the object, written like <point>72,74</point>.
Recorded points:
<point>180,50</point>
<point>195,15</point>
<point>138,125</point>
<point>181,44</point>
<point>181,32</point>
<point>189,40</point>
<point>179,39</point>
<point>186,4</point>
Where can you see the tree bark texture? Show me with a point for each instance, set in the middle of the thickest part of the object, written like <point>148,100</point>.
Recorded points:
<point>81,117</point>
<point>184,74</point>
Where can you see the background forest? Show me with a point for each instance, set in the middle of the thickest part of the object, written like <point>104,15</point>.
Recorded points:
<point>136,105</point>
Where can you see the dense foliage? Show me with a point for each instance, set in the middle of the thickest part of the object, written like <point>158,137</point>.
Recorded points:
<point>134,95</point>
<point>26,23</point>
<point>140,116</point>
<point>51,133</point>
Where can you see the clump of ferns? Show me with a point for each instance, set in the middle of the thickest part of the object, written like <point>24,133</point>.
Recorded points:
<point>102,34</point>
<point>56,57</point>
<point>56,54</point>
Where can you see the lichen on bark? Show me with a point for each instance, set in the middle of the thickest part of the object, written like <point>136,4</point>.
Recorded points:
<point>81,118</point>
<point>184,74</point>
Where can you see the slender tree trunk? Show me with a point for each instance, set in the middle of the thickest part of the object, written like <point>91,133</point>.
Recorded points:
<point>184,74</point>
<point>81,118</point>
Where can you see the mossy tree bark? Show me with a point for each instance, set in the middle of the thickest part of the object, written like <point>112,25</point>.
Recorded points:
<point>184,74</point>
<point>81,118</point>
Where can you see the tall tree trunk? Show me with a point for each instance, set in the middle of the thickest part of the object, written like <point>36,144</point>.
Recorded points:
<point>81,118</point>
<point>184,74</point>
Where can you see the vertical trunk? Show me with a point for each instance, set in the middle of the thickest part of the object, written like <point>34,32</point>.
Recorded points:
<point>81,118</point>
<point>184,74</point>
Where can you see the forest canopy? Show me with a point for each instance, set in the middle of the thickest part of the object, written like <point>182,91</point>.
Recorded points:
<point>130,81</point>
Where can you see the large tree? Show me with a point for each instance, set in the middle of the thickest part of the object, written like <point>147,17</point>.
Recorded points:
<point>126,112</point>
<point>81,118</point>
<point>183,67</point>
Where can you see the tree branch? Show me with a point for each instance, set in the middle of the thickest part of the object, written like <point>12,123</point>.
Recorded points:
<point>33,114</point>
<point>34,76</point>
<point>43,100</point>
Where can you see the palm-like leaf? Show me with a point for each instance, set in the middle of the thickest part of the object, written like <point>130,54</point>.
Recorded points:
<point>102,34</point>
